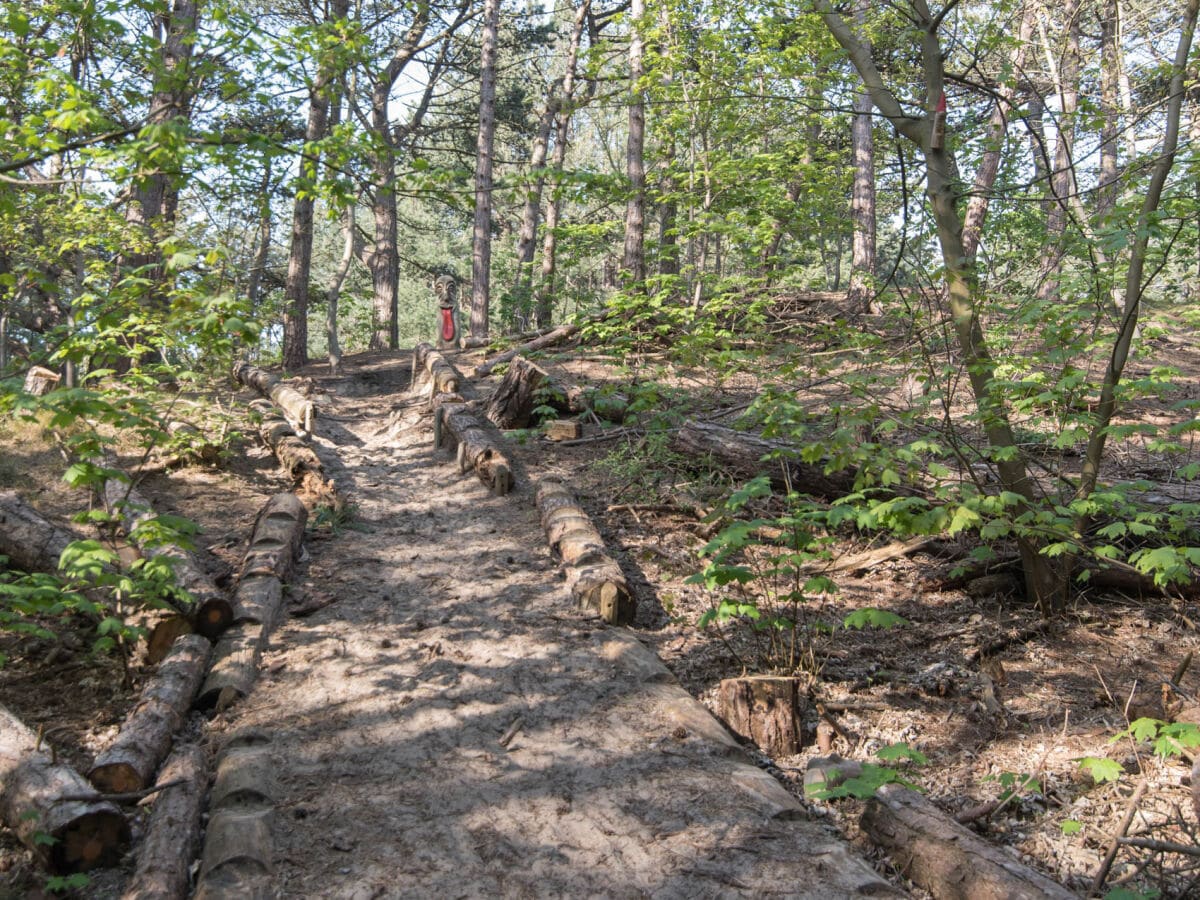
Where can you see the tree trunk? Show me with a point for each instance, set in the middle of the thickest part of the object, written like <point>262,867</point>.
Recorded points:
<point>634,261</point>
<point>862,203</point>
<point>765,709</point>
<point>86,833</point>
<point>164,858</point>
<point>481,236</point>
<point>128,764</point>
<point>511,406</point>
<point>593,577</point>
<point>527,236</point>
<point>742,454</point>
<point>947,859</point>
<point>384,262</point>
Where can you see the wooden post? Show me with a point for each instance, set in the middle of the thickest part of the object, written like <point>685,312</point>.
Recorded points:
<point>766,710</point>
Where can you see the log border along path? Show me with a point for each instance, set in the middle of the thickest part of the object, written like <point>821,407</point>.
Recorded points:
<point>453,727</point>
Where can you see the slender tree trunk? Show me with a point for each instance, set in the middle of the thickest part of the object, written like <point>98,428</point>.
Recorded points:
<point>527,236</point>
<point>668,212</point>
<point>333,289</point>
<point>481,238</point>
<point>545,297</point>
<point>1110,110</point>
<point>384,259</point>
<point>862,203</point>
<point>1038,149</point>
<point>634,261</point>
<point>262,248</point>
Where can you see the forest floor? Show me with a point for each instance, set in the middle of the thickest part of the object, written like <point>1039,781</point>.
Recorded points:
<point>446,724</point>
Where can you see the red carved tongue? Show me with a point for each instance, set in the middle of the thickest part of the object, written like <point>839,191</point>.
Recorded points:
<point>447,324</point>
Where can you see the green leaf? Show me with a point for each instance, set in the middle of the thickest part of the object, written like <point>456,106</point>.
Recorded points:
<point>867,617</point>
<point>1101,769</point>
<point>895,752</point>
<point>1071,826</point>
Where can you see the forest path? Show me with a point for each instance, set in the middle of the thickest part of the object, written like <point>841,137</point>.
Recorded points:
<point>452,727</point>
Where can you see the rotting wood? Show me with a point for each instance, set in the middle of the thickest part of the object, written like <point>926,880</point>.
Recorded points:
<point>130,761</point>
<point>558,335</point>
<point>478,446</point>
<point>945,858</point>
<point>238,849</point>
<point>563,430</point>
<point>593,577</point>
<point>209,611</point>
<point>87,833</point>
<point>165,855</point>
<point>858,562</point>
<point>742,454</point>
<point>295,405</point>
<point>298,459</point>
<point>40,381</point>
<point>514,399</point>
<point>444,378</point>
<point>765,709</point>
<point>258,601</point>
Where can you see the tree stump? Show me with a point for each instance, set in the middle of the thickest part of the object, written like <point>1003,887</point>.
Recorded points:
<point>513,402</point>
<point>40,381</point>
<point>766,710</point>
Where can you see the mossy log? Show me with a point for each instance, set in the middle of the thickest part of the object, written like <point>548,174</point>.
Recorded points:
<point>34,788</point>
<point>593,577</point>
<point>478,447</point>
<point>742,454</point>
<point>946,859</point>
<point>128,764</point>
<point>428,361</point>
<point>164,858</point>
<point>238,854</point>
<point>295,405</point>
<point>297,458</point>
<point>209,610</point>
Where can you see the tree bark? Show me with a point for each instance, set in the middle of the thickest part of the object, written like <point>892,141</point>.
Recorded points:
<point>298,407</point>
<point>296,457</point>
<point>172,839</point>
<point>87,833</point>
<point>593,577</point>
<point>527,236</point>
<point>481,237</point>
<point>31,542</point>
<point>948,860</point>
<point>742,454</point>
<point>862,203</point>
<point>765,709</point>
<point>511,406</point>
<point>40,381</point>
<point>634,260</point>
<point>128,764</point>
<point>478,447</point>
<point>443,377</point>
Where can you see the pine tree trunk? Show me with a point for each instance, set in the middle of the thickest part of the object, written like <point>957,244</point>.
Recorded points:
<point>481,237</point>
<point>634,262</point>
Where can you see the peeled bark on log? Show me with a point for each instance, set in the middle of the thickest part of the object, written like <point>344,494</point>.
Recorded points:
<point>31,542</point>
<point>446,379</point>
<point>743,455</point>
<point>765,709</point>
<point>478,447</point>
<point>294,404</point>
<point>515,397</point>
<point>173,832</point>
<point>87,833</point>
<point>128,764</point>
<point>595,580</point>
<point>297,458</point>
<point>562,333</point>
<point>238,849</point>
<point>209,611</point>
<point>40,381</point>
<point>945,858</point>
<point>258,601</point>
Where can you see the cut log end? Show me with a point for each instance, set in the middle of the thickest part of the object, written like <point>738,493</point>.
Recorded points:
<point>95,840</point>
<point>213,617</point>
<point>116,778</point>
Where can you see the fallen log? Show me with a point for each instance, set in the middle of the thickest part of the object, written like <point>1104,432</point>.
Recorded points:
<point>130,761</point>
<point>258,601</point>
<point>439,404</point>
<point>514,399</point>
<point>742,454</point>
<point>33,787</point>
<point>444,377</point>
<point>765,709</point>
<point>298,459</point>
<point>593,577</point>
<point>208,611</point>
<point>31,542</point>
<point>237,862</point>
<point>945,858</point>
<point>478,447</point>
<point>165,856</point>
<point>559,334</point>
<point>294,404</point>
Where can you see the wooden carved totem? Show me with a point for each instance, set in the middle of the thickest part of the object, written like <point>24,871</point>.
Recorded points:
<point>446,291</point>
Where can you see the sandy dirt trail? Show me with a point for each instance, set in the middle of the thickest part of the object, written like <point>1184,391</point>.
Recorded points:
<point>451,727</point>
